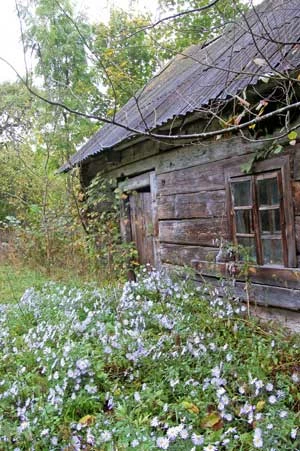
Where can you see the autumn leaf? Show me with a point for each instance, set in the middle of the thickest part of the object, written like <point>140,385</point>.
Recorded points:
<point>212,421</point>
<point>190,407</point>
<point>87,420</point>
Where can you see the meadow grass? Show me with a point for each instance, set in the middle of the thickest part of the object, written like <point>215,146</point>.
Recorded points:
<point>15,278</point>
<point>157,364</point>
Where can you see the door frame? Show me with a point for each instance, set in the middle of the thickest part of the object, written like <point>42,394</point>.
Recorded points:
<point>147,179</point>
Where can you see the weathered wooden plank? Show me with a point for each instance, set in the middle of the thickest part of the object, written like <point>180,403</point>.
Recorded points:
<point>296,197</point>
<point>297,233</point>
<point>265,295</point>
<point>274,276</point>
<point>205,152</point>
<point>135,183</point>
<point>296,151</point>
<point>195,179</point>
<point>272,296</point>
<point>202,231</point>
<point>143,165</point>
<point>183,255</point>
<point>153,185</point>
<point>130,161</point>
<point>193,205</point>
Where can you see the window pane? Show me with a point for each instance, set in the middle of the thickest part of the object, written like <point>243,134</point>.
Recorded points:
<point>272,250</point>
<point>241,193</point>
<point>244,223</point>
<point>270,221</point>
<point>268,192</point>
<point>249,244</point>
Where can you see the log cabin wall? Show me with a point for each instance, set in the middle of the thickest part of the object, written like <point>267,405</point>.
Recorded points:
<point>191,205</point>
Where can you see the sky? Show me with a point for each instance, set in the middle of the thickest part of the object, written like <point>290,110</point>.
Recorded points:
<point>10,47</point>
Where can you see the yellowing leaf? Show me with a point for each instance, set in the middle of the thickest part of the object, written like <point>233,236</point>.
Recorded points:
<point>190,407</point>
<point>87,420</point>
<point>260,405</point>
<point>292,135</point>
<point>211,420</point>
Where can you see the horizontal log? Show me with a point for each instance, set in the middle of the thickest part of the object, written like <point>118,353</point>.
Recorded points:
<point>183,255</point>
<point>135,183</point>
<point>274,276</point>
<point>268,296</point>
<point>205,152</point>
<point>193,205</point>
<point>264,295</point>
<point>202,231</point>
<point>192,180</point>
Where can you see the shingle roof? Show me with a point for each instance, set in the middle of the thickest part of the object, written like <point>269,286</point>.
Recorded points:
<point>265,41</point>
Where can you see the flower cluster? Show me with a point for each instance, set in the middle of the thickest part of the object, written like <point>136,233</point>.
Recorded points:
<point>156,365</point>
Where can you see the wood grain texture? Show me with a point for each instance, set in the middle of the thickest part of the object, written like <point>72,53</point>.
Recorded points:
<point>274,276</point>
<point>296,197</point>
<point>297,233</point>
<point>192,180</point>
<point>142,226</point>
<point>194,205</point>
<point>200,231</point>
<point>183,255</point>
<point>265,295</point>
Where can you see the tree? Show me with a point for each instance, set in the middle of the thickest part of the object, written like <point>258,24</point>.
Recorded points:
<point>192,25</point>
<point>129,58</point>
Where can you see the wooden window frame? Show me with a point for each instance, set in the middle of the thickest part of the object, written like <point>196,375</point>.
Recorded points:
<point>263,170</point>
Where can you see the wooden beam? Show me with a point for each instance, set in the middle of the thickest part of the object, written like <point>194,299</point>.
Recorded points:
<point>273,276</point>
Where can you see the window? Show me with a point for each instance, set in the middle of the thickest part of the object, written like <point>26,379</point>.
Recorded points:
<point>261,216</point>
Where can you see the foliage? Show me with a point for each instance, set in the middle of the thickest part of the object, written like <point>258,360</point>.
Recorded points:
<point>114,256</point>
<point>127,55</point>
<point>160,365</point>
<point>176,35</point>
<point>15,103</point>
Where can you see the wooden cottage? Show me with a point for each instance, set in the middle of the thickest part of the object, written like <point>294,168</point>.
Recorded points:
<point>206,155</point>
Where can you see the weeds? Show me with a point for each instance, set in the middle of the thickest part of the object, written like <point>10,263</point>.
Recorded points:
<point>156,365</point>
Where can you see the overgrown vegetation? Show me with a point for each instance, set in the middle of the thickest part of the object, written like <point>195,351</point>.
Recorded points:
<point>157,365</point>
<point>94,69</point>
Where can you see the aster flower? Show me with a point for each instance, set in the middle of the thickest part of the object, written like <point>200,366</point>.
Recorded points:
<point>257,438</point>
<point>197,439</point>
<point>210,448</point>
<point>162,442</point>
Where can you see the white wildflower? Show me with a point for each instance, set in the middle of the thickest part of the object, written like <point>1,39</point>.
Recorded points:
<point>197,439</point>
<point>272,399</point>
<point>162,443</point>
<point>257,439</point>
<point>106,436</point>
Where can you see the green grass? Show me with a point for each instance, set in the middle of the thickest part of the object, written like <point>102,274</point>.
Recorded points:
<point>15,279</point>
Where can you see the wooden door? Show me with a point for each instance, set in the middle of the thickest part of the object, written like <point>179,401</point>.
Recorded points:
<point>142,228</point>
